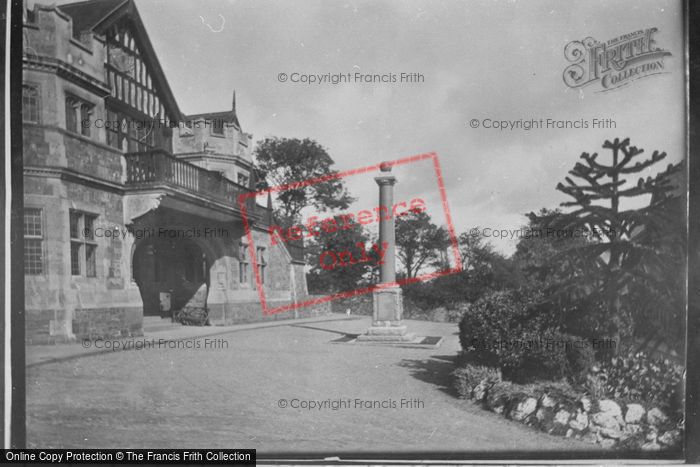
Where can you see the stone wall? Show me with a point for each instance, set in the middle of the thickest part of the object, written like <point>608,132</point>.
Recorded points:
<point>44,326</point>
<point>51,34</point>
<point>58,304</point>
<point>200,135</point>
<point>59,326</point>
<point>235,313</point>
<point>108,322</point>
<point>299,278</point>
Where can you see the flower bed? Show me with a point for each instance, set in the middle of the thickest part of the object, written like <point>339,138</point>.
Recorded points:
<point>558,409</point>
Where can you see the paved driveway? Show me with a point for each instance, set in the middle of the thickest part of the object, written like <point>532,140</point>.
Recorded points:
<point>230,397</point>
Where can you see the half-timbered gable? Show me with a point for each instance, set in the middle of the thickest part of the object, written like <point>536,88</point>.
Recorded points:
<point>140,110</point>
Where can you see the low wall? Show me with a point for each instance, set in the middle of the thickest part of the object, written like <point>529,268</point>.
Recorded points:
<point>362,305</point>
<point>358,305</point>
<point>51,326</point>
<point>63,326</point>
<point>224,314</point>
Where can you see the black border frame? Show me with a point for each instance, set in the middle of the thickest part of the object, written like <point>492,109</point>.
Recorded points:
<point>692,407</point>
<point>18,433</point>
<point>691,10</point>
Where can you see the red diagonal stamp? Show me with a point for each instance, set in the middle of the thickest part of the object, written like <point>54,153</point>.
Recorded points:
<point>432,202</point>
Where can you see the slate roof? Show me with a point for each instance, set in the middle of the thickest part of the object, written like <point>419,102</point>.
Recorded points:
<point>226,116</point>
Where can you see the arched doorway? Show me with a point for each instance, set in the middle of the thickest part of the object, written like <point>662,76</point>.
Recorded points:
<point>170,274</point>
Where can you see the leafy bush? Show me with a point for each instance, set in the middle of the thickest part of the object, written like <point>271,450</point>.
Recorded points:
<point>592,318</point>
<point>454,315</point>
<point>518,332</point>
<point>444,291</point>
<point>487,271</point>
<point>466,378</point>
<point>638,378</point>
<point>561,391</point>
<point>580,358</point>
<point>416,310</point>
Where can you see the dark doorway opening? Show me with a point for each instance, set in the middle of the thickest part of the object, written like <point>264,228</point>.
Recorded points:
<point>170,274</point>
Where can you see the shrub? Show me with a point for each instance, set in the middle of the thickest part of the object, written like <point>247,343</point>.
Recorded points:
<point>413,309</point>
<point>580,358</point>
<point>454,315</point>
<point>443,291</point>
<point>466,378</point>
<point>592,318</point>
<point>595,384</point>
<point>563,392</point>
<point>500,395</point>
<point>544,359</point>
<point>638,378</point>
<point>518,332</point>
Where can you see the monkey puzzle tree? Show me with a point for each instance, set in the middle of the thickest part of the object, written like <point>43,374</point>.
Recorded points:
<point>538,253</point>
<point>629,256</point>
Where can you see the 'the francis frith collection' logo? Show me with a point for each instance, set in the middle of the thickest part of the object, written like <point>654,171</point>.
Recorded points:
<point>614,63</point>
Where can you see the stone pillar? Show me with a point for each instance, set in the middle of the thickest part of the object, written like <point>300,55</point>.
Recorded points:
<point>387,235</point>
<point>387,317</point>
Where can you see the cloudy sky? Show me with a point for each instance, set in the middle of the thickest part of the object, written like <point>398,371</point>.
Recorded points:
<point>500,60</point>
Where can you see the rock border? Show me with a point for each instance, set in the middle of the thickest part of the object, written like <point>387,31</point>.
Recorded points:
<point>606,422</point>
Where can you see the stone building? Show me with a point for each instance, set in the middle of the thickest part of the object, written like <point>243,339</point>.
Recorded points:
<point>131,207</point>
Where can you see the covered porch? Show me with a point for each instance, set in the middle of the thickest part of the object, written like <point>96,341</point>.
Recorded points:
<point>187,227</point>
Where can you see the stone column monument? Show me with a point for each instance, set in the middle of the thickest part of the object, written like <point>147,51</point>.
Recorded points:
<point>387,318</point>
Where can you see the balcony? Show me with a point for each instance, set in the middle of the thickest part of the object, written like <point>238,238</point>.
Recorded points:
<point>157,169</point>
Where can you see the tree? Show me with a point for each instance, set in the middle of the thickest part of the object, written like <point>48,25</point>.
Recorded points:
<point>627,247</point>
<point>419,242</point>
<point>541,254</point>
<point>475,252</point>
<point>340,260</point>
<point>658,297</point>
<point>484,268</point>
<point>290,163</point>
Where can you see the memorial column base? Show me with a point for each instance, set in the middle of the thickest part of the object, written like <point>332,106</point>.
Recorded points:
<point>387,323</point>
